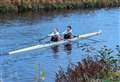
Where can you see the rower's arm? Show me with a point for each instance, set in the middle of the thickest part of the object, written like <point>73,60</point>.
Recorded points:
<point>64,32</point>
<point>52,34</point>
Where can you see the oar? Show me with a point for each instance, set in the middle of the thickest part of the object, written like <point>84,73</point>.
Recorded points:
<point>43,38</point>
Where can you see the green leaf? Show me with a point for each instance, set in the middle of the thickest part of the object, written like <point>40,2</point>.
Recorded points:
<point>36,68</point>
<point>42,75</point>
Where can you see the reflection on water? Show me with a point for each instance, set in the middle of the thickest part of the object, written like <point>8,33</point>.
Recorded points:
<point>68,48</point>
<point>55,49</point>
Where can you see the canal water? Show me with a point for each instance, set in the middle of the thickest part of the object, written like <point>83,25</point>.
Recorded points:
<point>24,30</point>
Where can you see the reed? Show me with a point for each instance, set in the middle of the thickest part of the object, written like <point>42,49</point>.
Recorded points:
<point>37,5</point>
<point>7,8</point>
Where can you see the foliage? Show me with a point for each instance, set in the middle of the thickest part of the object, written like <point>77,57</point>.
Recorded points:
<point>7,8</point>
<point>27,5</point>
<point>105,67</point>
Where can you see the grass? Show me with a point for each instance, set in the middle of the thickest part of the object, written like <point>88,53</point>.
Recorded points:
<point>39,74</point>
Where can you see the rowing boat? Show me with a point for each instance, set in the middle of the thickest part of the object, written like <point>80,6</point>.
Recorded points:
<point>79,37</point>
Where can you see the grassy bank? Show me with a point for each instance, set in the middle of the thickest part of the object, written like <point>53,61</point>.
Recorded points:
<point>38,5</point>
<point>104,67</point>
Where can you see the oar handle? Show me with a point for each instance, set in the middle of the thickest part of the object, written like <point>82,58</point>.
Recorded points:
<point>75,36</point>
<point>43,38</point>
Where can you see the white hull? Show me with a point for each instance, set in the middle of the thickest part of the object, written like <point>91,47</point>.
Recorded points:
<point>80,37</point>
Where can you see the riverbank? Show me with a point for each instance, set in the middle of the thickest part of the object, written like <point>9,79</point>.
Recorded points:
<point>46,5</point>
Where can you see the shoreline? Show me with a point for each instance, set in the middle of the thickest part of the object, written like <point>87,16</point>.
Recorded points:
<point>49,13</point>
<point>24,6</point>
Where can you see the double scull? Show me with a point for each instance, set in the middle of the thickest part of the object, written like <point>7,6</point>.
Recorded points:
<point>79,37</point>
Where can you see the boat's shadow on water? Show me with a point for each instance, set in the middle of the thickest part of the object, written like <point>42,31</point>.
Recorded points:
<point>67,49</point>
<point>4,53</point>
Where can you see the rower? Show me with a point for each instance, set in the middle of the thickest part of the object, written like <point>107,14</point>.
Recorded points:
<point>68,33</point>
<point>55,35</point>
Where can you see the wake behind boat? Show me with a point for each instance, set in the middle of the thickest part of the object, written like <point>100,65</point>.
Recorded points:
<point>79,37</point>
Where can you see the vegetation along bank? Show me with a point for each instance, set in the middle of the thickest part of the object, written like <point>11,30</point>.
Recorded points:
<point>45,5</point>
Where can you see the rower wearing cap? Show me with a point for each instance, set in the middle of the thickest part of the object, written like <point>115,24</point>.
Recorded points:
<point>55,35</point>
<point>68,33</point>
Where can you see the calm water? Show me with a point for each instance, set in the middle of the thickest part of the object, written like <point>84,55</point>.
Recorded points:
<point>25,30</point>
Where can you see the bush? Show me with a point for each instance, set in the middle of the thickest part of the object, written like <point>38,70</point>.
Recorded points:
<point>105,67</point>
<point>7,8</point>
<point>23,8</point>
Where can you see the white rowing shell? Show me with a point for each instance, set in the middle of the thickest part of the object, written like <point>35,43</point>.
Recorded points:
<point>80,37</point>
